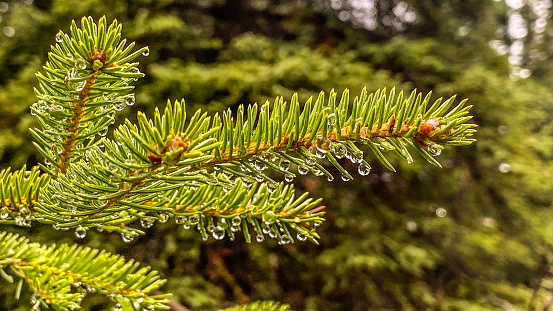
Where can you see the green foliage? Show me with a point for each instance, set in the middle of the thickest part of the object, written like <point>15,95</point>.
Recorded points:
<point>260,306</point>
<point>167,166</point>
<point>61,276</point>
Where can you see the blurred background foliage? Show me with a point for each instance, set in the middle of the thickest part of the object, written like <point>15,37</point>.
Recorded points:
<point>475,235</point>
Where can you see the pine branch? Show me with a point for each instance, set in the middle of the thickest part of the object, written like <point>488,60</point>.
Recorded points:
<point>85,81</point>
<point>61,276</point>
<point>260,306</point>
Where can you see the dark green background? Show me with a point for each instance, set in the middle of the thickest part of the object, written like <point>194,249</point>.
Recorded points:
<point>383,247</point>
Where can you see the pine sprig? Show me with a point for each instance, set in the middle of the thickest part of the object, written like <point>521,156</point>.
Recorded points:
<point>260,306</point>
<point>85,81</point>
<point>149,173</point>
<point>61,276</point>
<point>19,192</point>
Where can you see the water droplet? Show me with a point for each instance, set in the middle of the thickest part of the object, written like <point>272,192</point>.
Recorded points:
<point>269,217</point>
<point>323,145</point>
<point>441,212</point>
<point>260,166</point>
<point>289,178</point>
<point>363,169</point>
<point>59,37</point>
<point>330,178</point>
<point>434,150</point>
<point>80,232</point>
<point>128,237</point>
<point>259,238</point>
<point>179,219</point>
<point>211,180</point>
<point>285,239</point>
<point>81,63</point>
<point>284,164</point>
<point>236,220</point>
<point>311,159</point>
<point>118,105</point>
<point>118,306</point>
<point>130,100</point>
<point>80,86</point>
<point>345,177</point>
<point>246,181</point>
<point>227,187</point>
<point>272,186</point>
<point>331,119</point>
<point>110,114</point>
<point>302,236</point>
<point>107,97</point>
<point>146,52</point>
<point>194,219</point>
<point>147,222</point>
<point>302,169</point>
<point>218,233</point>
<point>504,168</point>
<point>4,213</point>
<point>163,218</point>
<point>103,132</point>
<point>338,150</point>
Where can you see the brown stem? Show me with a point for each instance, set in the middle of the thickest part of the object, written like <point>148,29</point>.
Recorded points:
<point>69,141</point>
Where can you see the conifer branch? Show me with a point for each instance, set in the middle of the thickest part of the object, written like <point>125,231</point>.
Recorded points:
<point>61,276</point>
<point>260,306</point>
<point>85,81</point>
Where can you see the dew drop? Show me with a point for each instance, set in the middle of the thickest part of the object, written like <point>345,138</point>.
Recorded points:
<point>118,105</point>
<point>323,145</point>
<point>218,233</point>
<point>285,239</point>
<point>363,169</point>
<point>289,178</point>
<point>163,218</point>
<point>441,212</point>
<point>434,150</point>
<point>211,180</point>
<point>227,187</point>
<point>331,119</point>
<point>259,238</point>
<point>107,97</point>
<point>81,63</point>
<point>269,217</point>
<point>284,164</point>
<point>272,186</point>
<point>130,100</point>
<point>194,219</point>
<point>302,169</point>
<point>260,166</point>
<point>247,182</point>
<point>59,37</point>
<point>147,222</point>
<point>302,236</point>
<point>128,237</point>
<point>330,178</point>
<point>4,213</point>
<point>345,177</point>
<point>118,306</point>
<point>146,52</point>
<point>179,219</point>
<point>80,232</point>
<point>236,220</point>
<point>103,132</point>
<point>339,150</point>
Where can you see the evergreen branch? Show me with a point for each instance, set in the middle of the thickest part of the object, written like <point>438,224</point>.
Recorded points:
<point>260,306</point>
<point>19,192</point>
<point>146,174</point>
<point>86,79</point>
<point>330,131</point>
<point>61,276</point>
